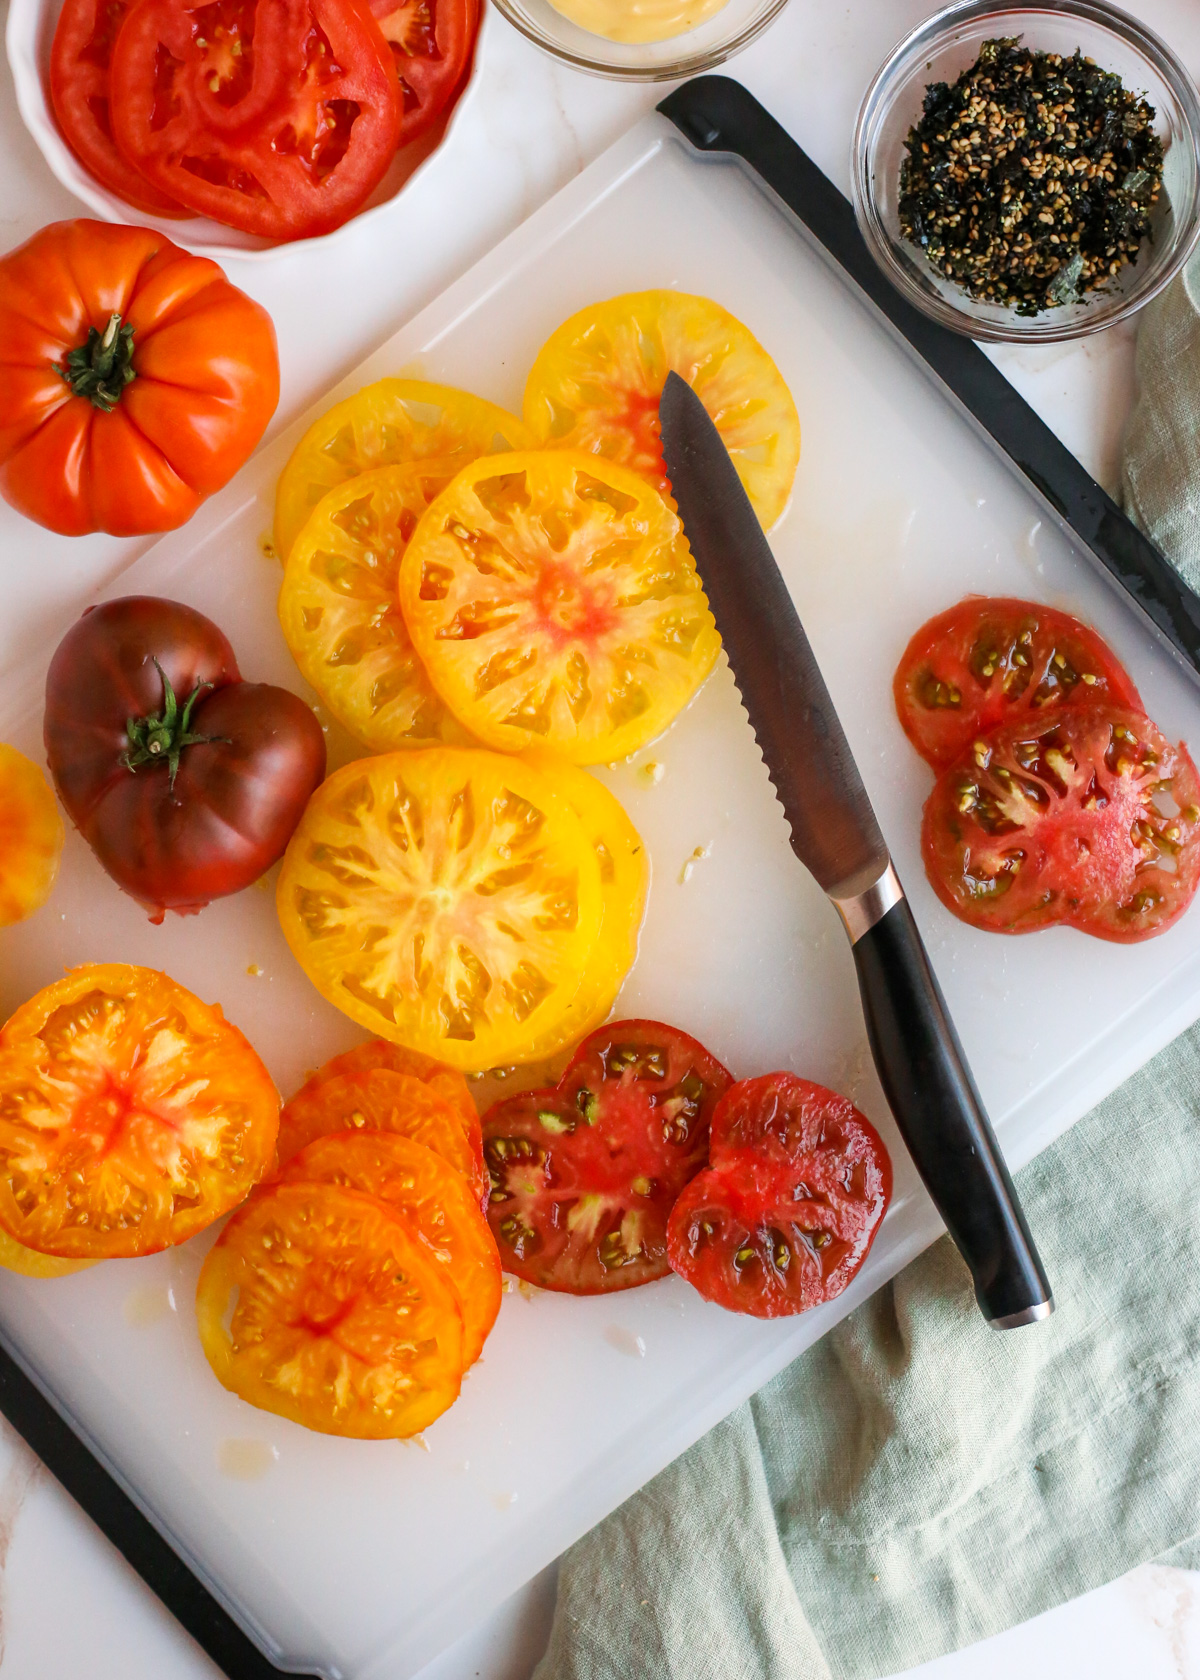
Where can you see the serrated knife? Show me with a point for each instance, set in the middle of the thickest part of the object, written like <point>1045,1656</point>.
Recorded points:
<point>835,835</point>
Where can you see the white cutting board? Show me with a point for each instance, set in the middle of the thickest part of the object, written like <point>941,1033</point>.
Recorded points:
<point>364,1559</point>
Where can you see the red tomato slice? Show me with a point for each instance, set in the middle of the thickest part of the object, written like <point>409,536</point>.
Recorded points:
<point>1088,817</point>
<point>79,64</point>
<point>786,1214</point>
<point>278,119</point>
<point>990,661</point>
<point>431,42</point>
<point>585,1175</point>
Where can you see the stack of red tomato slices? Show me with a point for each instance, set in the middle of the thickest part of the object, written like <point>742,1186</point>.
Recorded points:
<point>1058,801</point>
<point>279,119</point>
<point>765,1195</point>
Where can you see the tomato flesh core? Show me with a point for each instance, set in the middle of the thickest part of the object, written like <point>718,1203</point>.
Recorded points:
<point>785,1215</point>
<point>583,1176</point>
<point>554,604</point>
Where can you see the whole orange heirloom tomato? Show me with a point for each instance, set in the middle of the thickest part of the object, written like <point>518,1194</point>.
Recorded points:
<point>134,379</point>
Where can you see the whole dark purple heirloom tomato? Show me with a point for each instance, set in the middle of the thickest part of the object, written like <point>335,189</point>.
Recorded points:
<point>184,780</point>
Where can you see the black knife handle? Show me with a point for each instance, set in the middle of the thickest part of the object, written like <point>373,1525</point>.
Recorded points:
<point>942,1120</point>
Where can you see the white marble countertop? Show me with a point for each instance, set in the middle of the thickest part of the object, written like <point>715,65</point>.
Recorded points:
<point>68,1602</point>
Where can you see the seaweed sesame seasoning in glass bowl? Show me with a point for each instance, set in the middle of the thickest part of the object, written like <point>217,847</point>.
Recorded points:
<point>661,40</point>
<point>1056,134</point>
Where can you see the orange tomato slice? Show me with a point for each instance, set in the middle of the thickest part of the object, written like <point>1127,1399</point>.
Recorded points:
<point>31,837</point>
<point>554,603</point>
<point>317,1304</point>
<point>379,1100</point>
<point>596,383</point>
<point>431,1199</point>
<point>131,1115</point>
<point>340,616</point>
<point>387,424</point>
<point>447,899</point>
<point>443,1081</point>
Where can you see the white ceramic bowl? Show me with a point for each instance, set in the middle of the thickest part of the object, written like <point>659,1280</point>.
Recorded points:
<point>31,25</point>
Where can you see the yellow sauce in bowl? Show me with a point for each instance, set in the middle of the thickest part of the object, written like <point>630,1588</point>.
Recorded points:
<point>635,22</point>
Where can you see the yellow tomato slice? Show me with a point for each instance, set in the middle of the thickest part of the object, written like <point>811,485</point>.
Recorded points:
<point>624,879</point>
<point>317,1304</point>
<point>14,1257</point>
<point>131,1115</point>
<point>448,900</point>
<point>596,382</point>
<point>554,603</point>
<point>387,424</point>
<point>431,1199</point>
<point>341,617</point>
<point>31,837</point>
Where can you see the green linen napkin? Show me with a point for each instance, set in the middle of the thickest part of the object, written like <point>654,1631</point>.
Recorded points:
<point>916,1481</point>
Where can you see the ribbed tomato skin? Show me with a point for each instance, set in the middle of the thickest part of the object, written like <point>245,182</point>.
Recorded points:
<point>207,380</point>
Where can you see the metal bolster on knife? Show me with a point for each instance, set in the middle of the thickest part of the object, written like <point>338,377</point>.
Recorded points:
<point>860,911</point>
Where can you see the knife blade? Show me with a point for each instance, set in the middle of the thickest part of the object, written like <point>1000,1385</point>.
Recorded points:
<point>835,834</point>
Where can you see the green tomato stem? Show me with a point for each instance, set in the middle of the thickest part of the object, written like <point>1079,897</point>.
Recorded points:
<point>100,368</point>
<point>161,739</point>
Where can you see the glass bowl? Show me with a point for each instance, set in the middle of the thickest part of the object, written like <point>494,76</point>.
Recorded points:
<point>710,43</point>
<point>938,51</point>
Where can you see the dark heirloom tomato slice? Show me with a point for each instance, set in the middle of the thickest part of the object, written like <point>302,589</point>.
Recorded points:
<point>79,63</point>
<point>784,1217</point>
<point>992,660</point>
<point>431,42</point>
<point>1088,817</point>
<point>277,118</point>
<point>584,1175</point>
